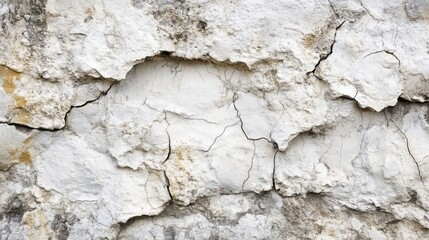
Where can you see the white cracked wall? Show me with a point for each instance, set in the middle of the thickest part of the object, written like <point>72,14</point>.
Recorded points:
<point>185,119</point>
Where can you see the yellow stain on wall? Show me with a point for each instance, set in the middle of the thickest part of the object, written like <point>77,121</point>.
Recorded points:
<point>22,116</point>
<point>36,225</point>
<point>27,140</point>
<point>22,154</point>
<point>20,101</point>
<point>25,157</point>
<point>8,76</point>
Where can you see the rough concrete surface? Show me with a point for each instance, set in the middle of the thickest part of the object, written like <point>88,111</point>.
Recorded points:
<point>204,119</point>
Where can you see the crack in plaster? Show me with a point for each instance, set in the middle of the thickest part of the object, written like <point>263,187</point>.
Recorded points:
<point>251,166</point>
<point>235,98</point>
<point>409,152</point>
<point>102,94</point>
<point>324,57</point>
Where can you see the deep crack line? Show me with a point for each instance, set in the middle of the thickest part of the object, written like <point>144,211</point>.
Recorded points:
<point>235,98</point>
<point>409,151</point>
<point>331,50</point>
<point>167,181</point>
<point>274,170</point>
<point>102,94</point>
<point>169,138</point>
<point>31,128</point>
<point>251,166</point>
<point>387,52</point>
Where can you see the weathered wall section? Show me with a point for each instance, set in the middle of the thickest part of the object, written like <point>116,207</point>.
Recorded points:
<point>236,119</point>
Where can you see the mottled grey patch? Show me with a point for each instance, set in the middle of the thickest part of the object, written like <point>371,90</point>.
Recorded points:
<point>169,233</point>
<point>417,9</point>
<point>61,225</point>
<point>202,25</point>
<point>297,217</point>
<point>178,19</point>
<point>15,208</point>
<point>138,3</point>
<point>33,12</point>
<point>416,87</point>
<point>214,235</point>
<point>426,115</point>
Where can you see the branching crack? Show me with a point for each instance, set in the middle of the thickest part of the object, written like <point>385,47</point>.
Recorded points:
<point>217,137</point>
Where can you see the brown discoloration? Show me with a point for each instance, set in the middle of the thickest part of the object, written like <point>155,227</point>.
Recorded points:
<point>90,11</point>
<point>22,117</point>
<point>20,101</point>
<point>8,76</point>
<point>22,154</point>
<point>309,40</point>
<point>8,86</point>
<point>183,154</point>
<point>322,37</point>
<point>29,220</point>
<point>25,157</point>
<point>179,154</point>
<point>28,140</point>
<point>36,225</point>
